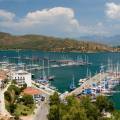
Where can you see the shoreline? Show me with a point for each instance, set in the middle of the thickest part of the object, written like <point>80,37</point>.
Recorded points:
<point>88,52</point>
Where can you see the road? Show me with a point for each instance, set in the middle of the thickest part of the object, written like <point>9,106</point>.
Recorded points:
<point>42,112</point>
<point>2,101</point>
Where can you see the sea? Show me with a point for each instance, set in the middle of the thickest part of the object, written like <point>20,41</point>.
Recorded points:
<point>63,75</point>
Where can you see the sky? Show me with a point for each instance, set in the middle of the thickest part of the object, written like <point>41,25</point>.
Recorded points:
<point>61,18</point>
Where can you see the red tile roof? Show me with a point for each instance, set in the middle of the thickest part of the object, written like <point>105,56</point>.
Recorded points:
<point>32,91</point>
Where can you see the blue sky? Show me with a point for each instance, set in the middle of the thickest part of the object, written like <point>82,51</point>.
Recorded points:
<point>62,18</point>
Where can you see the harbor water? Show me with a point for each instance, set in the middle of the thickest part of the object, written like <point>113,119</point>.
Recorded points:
<point>63,75</point>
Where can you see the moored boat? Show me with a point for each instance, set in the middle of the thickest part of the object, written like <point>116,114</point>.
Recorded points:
<point>72,85</point>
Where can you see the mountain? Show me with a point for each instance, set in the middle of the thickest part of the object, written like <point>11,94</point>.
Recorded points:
<point>47,43</point>
<point>109,40</point>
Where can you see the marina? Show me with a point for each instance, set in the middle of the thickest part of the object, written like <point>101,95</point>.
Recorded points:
<point>56,73</point>
<point>59,60</point>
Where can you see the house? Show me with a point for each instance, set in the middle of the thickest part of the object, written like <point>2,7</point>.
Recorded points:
<point>3,78</point>
<point>22,77</point>
<point>36,93</point>
<point>1,83</point>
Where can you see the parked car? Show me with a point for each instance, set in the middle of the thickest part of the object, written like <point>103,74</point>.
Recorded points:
<point>42,98</point>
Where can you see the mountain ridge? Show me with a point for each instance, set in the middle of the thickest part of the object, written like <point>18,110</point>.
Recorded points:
<point>49,43</point>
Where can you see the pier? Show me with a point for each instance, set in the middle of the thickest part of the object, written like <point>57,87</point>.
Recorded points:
<point>98,79</point>
<point>94,80</point>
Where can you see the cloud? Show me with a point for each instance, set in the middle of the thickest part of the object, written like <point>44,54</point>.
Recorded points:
<point>57,18</point>
<point>113,10</point>
<point>57,21</point>
<point>6,16</point>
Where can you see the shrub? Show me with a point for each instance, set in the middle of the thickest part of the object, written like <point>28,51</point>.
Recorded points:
<point>27,100</point>
<point>7,96</point>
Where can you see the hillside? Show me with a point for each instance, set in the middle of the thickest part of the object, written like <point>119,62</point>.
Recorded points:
<point>109,40</point>
<point>39,42</point>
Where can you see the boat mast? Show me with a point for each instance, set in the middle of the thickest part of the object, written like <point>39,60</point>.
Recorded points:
<point>90,75</point>
<point>117,70</point>
<point>87,73</point>
<point>73,81</point>
<point>87,60</point>
<point>101,71</point>
<point>48,68</point>
<point>44,75</point>
<point>18,58</point>
<point>43,68</point>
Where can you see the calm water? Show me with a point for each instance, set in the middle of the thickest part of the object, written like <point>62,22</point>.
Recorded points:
<point>64,74</point>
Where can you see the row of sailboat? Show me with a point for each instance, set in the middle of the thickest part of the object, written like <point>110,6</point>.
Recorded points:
<point>20,65</point>
<point>80,82</point>
<point>45,78</point>
<point>88,76</point>
<point>104,86</point>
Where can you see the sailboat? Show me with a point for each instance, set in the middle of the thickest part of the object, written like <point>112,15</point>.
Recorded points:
<point>50,77</point>
<point>80,60</point>
<point>87,60</point>
<point>43,78</point>
<point>72,85</point>
<point>88,76</point>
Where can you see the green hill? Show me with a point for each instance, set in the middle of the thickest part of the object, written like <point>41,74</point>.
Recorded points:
<point>46,43</point>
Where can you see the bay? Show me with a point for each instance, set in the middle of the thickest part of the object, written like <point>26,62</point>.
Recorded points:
<point>63,75</point>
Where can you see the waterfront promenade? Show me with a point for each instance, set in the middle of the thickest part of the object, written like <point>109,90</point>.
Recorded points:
<point>43,88</point>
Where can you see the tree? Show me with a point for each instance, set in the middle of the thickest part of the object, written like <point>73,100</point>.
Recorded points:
<point>71,100</point>
<point>7,96</point>
<point>91,110</point>
<point>14,82</point>
<point>54,99</point>
<point>78,114</point>
<point>78,109</point>
<point>27,100</point>
<point>104,104</point>
<point>24,86</point>
<point>12,108</point>
<point>14,88</point>
<point>16,117</point>
<point>5,81</point>
<point>116,115</point>
<point>54,113</point>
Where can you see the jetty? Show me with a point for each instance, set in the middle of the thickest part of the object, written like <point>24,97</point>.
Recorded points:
<point>89,83</point>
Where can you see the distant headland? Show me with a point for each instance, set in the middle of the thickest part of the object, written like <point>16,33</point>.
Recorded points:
<point>48,43</point>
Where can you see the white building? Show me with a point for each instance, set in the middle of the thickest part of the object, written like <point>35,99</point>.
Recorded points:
<point>22,77</point>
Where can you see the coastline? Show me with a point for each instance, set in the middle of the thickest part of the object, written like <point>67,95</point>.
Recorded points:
<point>60,51</point>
